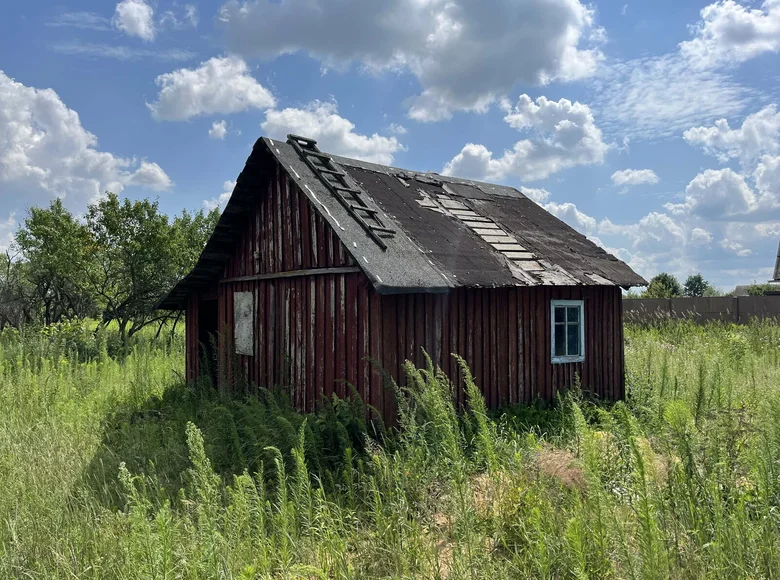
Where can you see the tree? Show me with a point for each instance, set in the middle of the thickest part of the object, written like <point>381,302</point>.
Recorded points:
<point>130,262</point>
<point>696,285</point>
<point>663,286</point>
<point>55,246</point>
<point>116,263</point>
<point>17,303</point>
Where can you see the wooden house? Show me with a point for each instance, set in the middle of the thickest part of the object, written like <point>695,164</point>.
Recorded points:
<point>324,270</point>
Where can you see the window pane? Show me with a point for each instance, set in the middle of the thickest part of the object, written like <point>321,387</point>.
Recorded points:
<point>573,339</point>
<point>560,314</point>
<point>560,340</point>
<point>573,314</point>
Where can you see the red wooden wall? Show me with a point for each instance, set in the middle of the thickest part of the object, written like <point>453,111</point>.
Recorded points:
<point>315,331</point>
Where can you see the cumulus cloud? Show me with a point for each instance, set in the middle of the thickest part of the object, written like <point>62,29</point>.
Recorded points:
<point>218,130</point>
<point>217,86</point>
<point>634,177</point>
<point>564,134</point>
<point>700,236</point>
<point>445,44</point>
<point>220,201</point>
<point>758,134</point>
<point>729,33</point>
<point>44,147</point>
<point>135,18</point>
<point>538,195</point>
<point>334,134</point>
<point>569,213</point>
<point>716,194</point>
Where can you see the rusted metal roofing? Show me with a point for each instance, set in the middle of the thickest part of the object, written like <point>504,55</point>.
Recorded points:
<point>449,232</point>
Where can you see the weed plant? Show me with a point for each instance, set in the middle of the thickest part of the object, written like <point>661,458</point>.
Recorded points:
<point>113,468</point>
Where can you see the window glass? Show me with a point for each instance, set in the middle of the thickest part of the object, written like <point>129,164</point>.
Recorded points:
<point>560,314</point>
<point>560,339</point>
<point>573,314</point>
<point>573,339</point>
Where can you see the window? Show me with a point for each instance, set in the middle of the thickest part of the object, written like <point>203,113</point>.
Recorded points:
<point>568,331</point>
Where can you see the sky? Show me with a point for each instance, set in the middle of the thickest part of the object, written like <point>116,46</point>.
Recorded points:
<point>651,127</point>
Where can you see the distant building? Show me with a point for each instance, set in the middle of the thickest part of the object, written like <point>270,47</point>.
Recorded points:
<point>324,270</point>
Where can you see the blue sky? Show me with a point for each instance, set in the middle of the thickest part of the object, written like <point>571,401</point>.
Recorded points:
<point>651,127</point>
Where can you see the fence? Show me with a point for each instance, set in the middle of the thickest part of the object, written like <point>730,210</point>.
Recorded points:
<point>737,309</point>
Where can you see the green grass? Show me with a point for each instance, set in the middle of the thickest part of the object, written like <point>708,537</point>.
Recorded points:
<point>113,468</point>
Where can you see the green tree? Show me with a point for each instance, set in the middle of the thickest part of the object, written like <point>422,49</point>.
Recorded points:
<point>131,262</point>
<point>55,246</point>
<point>696,285</point>
<point>663,285</point>
<point>17,303</point>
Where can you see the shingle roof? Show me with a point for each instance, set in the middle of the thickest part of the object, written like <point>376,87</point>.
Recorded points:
<point>449,232</point>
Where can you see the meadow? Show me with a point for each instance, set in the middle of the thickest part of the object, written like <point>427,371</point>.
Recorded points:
<point>111,467</point>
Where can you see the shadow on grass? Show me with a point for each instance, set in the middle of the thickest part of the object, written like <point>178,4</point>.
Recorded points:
<point>151,439</point>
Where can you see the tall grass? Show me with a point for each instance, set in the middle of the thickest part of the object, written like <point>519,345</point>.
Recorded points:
<point>114,469</point>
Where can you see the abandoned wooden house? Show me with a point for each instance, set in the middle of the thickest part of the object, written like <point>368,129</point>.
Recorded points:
<point>324,270</point>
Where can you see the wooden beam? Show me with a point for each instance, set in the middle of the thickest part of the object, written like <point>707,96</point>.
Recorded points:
<point>294,274</point>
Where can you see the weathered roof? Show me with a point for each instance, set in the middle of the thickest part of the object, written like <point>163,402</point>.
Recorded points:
<point>449,232</point>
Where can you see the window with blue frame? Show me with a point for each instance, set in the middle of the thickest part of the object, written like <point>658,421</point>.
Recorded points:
<point>568,331</point>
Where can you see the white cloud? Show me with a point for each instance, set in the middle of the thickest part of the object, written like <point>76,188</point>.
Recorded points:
<point>396,129</point>
<point>716,194</point>
<point>767,180</point>
<point>700,236</point>
<point>191,14</point>
<point>221,201</point>
<point>465,55</point>
<point>537,195</point>
<point>662,96</point>
<point>758,134</point>
<point>43,146</point>
<point>729,32</point>
<point>334,133</point>
<point>217,86</point>
<point>135,18</point>
<point>188,17</point>
<point>569,213</point>
<point>120,52</point>
<point>564,135</point>
<point>634,177</point>
<point>84,20</point>
<point>7,230</point>
<point>218,130</point>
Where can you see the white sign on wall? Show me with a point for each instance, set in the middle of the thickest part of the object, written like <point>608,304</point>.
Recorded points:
<point>244,322</point>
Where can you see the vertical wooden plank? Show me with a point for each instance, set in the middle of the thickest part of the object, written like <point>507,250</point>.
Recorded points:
<point>403,345</point>
<point>438,337</point>
<point>341,333</point>
<point>311,344</point>
<point>419,316</point>
<point>329,351</point>
<point>514,380</point>
<point>305,237</point>
<point>351,331</point>
<point>390,343</point>
<point>375,347</point>
<point>464,336</point>
<point>411,327</point>
<point>364,314</point>
<point>506,373</point>
<point>621,391</point>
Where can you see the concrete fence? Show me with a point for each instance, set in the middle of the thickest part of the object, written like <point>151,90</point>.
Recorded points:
<point>737,309</point>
